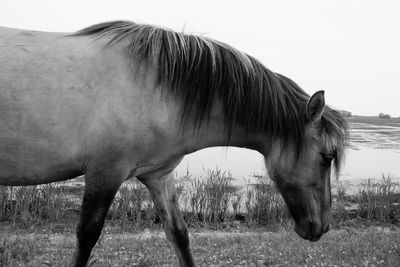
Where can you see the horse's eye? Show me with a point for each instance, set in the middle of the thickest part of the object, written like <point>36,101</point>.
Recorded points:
<point>328,156</point>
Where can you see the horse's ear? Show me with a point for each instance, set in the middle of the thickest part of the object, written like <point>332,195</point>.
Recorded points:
<point>315,106</point>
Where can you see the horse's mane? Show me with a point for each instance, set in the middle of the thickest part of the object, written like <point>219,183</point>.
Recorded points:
<point>200,70</point>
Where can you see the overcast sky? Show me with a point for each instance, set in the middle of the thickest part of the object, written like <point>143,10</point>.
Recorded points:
<point>350,49</point>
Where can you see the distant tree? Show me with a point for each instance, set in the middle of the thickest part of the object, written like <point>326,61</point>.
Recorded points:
<point>384,116</point>
<point>346,113</point>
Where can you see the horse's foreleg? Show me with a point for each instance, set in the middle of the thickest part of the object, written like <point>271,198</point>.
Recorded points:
<point>100,189</point>
<point>163,193</point>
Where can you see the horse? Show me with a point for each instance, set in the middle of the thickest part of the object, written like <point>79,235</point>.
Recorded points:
<point>119,100</point>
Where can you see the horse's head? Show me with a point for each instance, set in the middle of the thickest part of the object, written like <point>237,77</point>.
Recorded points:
<point>303,177</point>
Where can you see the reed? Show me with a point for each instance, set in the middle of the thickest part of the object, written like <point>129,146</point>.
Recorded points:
<point>380,200</point>
<point>264,204</point>
<point>210,200</point>
<point>340,213</point>
<point>132,207</point>
<point>33,204</point>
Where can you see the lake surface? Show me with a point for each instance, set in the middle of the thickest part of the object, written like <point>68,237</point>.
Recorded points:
<point>374,150</point>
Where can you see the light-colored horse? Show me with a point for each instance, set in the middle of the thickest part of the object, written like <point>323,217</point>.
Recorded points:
<point>119,99</point>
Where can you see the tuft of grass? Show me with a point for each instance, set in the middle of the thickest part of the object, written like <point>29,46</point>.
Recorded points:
<point>339,210</point>
<point>379,201</point>
<point>132,208</point>
<point>27,205</point>
<point>210,198</point>
<point>264,204</point>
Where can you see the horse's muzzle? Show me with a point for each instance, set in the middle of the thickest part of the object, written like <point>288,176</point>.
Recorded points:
<point>311,230</point>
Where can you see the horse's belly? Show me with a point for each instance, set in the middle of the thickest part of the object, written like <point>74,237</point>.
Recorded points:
<point>16,173</point>
<point>26,162</point>
<point>38,178</point>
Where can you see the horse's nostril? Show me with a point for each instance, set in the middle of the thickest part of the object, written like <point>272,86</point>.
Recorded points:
<point>312,227</point>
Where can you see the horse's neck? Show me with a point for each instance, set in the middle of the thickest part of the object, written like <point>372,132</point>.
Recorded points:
<point>213,133</point>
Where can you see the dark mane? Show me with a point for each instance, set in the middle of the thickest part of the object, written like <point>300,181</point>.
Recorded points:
<point>200,70</point>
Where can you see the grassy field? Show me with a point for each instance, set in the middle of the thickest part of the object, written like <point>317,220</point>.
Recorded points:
<point>349,246</point>
<point>37,227</point>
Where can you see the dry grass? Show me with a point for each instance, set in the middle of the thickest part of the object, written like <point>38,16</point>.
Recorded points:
<point>380,200</point>
<point>264,205</point>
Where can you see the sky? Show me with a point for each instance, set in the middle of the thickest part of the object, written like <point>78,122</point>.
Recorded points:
<point>348,48</point>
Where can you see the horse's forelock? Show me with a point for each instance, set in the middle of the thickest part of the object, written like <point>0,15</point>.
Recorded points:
<point>335,131</point>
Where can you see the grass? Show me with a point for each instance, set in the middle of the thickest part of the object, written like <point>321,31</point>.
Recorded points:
<point>379,200</point>
<point>372,246</point>
<point>210,201</point>
<point>264,205</point>
<point>25,205</point>
<point>209,198</point>
<point>254,228</point>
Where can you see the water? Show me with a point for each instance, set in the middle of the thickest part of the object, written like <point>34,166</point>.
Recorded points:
<point>240,163</point>
<point>366,162</point>
<point>374,150</point>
